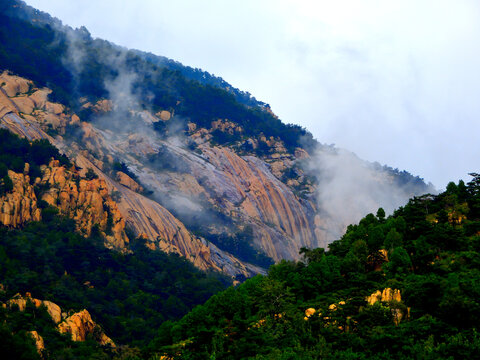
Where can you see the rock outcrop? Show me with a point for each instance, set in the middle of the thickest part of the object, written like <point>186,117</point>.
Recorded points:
<point>386,295</point>
<point>88,202</point>
<point>242,188</point>
<point>53,309</point>
<point>80,325</point>
<point>245,189</point>
<point>39,343</point>
<point>127,181</point>
<point>20,205</point>
<point>393,299</point>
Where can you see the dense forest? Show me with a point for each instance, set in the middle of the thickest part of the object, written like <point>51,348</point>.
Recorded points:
<point>317,308</point>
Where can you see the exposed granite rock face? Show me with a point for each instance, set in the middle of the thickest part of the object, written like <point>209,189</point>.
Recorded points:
<point>164,115</point>
<point>20,205</point>
<point>387,295</point>
<point>152,221</point>
<point>242,188</point>
<point>128,182</point>
<point>53,309</point>
<point>88,202</point>
<point>245,189</point>
<point>101,106</point>
<point>39,343</point>
<point>80,325</point>
<point>394,298</point>
<point>14,85</point>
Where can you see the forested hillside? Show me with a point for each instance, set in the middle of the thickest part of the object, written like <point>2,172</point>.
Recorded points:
<point>130,294</point>
<point>402,287</point>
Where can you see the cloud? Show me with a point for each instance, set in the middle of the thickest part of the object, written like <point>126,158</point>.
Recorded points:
<point>349,188</point>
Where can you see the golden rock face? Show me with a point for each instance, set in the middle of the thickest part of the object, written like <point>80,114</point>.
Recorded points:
<point>20,205</point>
<point>53,309</point>
<point>80,325</point>
<point>88,202</point>
<point>128,182</point>
<point>393,297</point>
<point>39,343</point>
<point>386,295</point>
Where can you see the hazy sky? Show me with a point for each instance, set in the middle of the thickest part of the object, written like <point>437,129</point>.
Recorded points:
<point>396,82</point>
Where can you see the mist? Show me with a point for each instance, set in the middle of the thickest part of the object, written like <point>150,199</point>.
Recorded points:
<point>349,188</point>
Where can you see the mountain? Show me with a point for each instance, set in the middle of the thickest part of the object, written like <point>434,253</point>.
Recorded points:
<point>133,188</point>
<point>401,287</point>
<point>197,168</point>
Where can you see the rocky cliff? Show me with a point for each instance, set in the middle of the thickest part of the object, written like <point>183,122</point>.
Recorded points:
<point>209,203</point>
<point>89,201</point>
<point>86,201</point>
<point>20,205</point>
<point>21,302</point>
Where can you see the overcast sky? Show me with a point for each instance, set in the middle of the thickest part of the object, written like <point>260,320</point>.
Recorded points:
<point>396,82</point>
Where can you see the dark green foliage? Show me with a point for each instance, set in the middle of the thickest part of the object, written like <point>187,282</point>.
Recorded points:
<point>90,174</point>
<point>121,166</point>
<point>130,295</point>
<point>16,343</point>
<point>432,259</point>
<point>15,152</point>
<point>240,245</point>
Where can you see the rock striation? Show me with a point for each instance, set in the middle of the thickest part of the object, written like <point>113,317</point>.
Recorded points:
<point>243,188</point>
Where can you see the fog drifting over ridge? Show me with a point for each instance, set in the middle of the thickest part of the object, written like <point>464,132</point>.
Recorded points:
<point>393,82</point>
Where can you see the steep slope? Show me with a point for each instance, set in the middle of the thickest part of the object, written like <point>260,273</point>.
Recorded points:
<point>86,200</point>
<point>223,197</point>
<point>225,178</point>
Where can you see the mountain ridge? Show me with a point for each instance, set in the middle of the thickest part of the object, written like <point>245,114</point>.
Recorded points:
<point>233,178</point>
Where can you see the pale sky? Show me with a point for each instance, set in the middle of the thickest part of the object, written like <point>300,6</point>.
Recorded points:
<point>396,82</point>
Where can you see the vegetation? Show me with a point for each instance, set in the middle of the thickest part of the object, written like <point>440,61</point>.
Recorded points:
<point>15,152</point>
<point>427,249</point>
<point>130,294</point>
